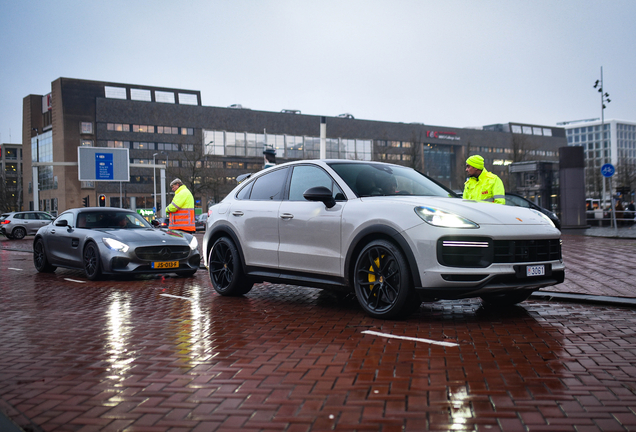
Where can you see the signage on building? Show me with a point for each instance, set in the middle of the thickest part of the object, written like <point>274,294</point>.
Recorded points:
<point>47,103</point>
<point>442,135</point>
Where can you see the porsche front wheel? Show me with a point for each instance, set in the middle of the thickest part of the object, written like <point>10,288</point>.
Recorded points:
<point>382,280</point>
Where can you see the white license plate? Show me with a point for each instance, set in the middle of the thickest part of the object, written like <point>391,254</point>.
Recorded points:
<point>537,270</point>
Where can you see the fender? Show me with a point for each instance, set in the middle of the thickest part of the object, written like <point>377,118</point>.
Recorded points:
<point>219,231</point>
<point>394,235</point>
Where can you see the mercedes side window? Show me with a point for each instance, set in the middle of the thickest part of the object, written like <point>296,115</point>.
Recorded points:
<point>269,187</point>
<point>305,177</point>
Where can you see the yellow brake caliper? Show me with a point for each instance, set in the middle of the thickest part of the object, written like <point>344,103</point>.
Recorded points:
<point>371,275</point>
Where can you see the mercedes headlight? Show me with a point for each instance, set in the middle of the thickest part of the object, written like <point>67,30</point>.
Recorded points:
<point>444,219</point>
<point>116,245</point>
<point>194,243</point>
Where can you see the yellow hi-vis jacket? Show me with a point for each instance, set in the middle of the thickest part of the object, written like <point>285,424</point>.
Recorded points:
<point>488,187</point>
<point>181,210</point>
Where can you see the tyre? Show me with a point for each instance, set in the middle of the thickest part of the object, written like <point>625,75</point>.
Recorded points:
<point>40,261</point>
<point>92,262</point>
<point>382,281</point>
<point>226,273</point>
<point>18,233</point>
<point>507,299</point>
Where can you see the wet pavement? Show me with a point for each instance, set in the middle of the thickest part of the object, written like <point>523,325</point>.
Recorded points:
<point>169,354</point>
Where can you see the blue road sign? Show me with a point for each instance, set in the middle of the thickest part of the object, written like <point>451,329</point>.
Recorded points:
<point>104,166</point>
<point>608,170</point>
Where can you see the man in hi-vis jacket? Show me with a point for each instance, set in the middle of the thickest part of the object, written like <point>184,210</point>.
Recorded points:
<point>181,209</point>
<point>481,184</point>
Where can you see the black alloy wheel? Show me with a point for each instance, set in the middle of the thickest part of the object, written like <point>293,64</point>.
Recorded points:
<point>40,261</point>
<point>225,269</point>
<point>19,233</point>
<point>92,262</point>
<point>382,281</point>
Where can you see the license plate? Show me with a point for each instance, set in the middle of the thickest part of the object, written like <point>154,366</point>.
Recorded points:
<point>165,264</point>
<point>537,270</point>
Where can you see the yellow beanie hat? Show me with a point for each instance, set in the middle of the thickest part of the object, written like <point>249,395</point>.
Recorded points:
<point>476,161</point>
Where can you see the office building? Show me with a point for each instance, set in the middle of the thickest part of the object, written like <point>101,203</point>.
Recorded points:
<point>208,147</point>
<point>10,177</point>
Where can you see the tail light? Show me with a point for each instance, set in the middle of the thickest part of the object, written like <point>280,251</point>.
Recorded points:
<point>4,222</point>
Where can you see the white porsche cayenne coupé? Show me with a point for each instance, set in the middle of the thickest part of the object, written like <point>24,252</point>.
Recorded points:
<point>389,233</point>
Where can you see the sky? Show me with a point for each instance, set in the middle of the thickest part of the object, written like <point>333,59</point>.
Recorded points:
<point>446,63</point>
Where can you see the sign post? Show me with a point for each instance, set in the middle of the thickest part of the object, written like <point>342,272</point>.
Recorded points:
<point>608,171</point>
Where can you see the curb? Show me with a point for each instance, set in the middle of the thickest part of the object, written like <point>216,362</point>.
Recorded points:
<point>584,298</point>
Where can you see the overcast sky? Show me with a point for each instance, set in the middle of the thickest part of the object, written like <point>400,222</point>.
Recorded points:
<point>444,63</point>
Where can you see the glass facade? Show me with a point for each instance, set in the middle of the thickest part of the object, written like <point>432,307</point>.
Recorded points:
<point>222,143</point>
<point>42,151</point>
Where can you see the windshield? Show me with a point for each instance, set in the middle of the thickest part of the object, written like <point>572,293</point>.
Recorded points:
<point>111,220</point>
<point>370,179</point>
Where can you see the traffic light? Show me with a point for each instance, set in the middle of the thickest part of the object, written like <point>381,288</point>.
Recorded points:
<point>102,200</point>
<point>86,200</point>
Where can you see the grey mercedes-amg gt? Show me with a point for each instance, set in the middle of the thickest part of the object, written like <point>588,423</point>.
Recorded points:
<point>113,241</point>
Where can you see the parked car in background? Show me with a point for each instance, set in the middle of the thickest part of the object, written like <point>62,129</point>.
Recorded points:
<point>17,225</point>
<point>513,199</point>
<point>162,222</point>
<point>102,240</point>
<point>200,221</point>
<point>387,233</point>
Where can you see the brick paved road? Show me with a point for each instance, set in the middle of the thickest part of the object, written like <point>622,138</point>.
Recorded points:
<point>168,354</point>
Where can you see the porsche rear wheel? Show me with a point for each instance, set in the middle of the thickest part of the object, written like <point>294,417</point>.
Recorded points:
<point>226,273</point>
<point>382,281</point>
<point>40,261</point>
<point>92,262</point>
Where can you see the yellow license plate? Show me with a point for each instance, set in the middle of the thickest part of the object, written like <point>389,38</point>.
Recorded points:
<point>165,264</point>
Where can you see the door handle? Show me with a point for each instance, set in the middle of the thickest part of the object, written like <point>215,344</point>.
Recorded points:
<point>237,213</point>
<point>286,216</point>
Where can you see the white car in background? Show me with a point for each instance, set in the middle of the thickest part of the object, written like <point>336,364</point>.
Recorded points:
<point>389,233</point>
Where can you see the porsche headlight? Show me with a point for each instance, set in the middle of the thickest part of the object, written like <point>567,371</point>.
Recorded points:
<point>194,243</point>
<point>116,245</point>
<point>441,218</point>
<point>545,217</point>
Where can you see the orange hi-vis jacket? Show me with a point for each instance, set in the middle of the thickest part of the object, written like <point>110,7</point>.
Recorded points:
<point>181,210</point>
<point>488,187</point>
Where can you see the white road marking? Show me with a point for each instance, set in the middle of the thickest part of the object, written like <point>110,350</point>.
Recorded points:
<point>74,280</point>
<point>13,268</point>
<point>429,341</point>
<point>178,297</point>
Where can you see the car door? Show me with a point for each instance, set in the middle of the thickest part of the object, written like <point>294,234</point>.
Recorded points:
<point>255,216</point>
<point>43,219</point>
<point>62,242</point>
<point>310,233</point>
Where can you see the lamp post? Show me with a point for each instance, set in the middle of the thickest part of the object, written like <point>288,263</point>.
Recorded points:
<point>604,99</point>
<point>154,182</point>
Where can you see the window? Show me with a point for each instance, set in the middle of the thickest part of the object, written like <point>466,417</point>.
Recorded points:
<point>269,186</point>
<point>140,95</point>
<point>115,92</point>
<point>86,143</point>
<point>188,99</point>
<point>164,97</point>
<point>86,128</point>
<point>305,177</point>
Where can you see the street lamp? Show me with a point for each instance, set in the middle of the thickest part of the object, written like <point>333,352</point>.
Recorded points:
<point>154,182</point>
<point>604,99</point>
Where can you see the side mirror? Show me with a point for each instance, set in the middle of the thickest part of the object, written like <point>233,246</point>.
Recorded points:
<point>154,223</point>
<point>320,193</point>
<point>61,223</point>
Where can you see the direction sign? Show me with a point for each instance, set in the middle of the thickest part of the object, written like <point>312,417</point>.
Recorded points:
<point>608,170</point>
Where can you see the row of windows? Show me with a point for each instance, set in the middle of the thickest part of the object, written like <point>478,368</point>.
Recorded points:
<point>588,137</point>
<point>174,130</point>
<point>42,151</point>
<point>10,153</point>
<point>201,164</point>
<point>140,145</point>
<point>582,130</point>
<point>530,130</point>
<point>146,95</point>
<point>224,143</point>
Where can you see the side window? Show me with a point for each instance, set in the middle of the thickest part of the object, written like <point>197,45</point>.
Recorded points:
<point>270,186</point>
<point>44,216</point>
<point>305,177</point>
<point>19,216</point>
<point>31,216</point>
<point>245,192</point>
<point>67,217</point>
